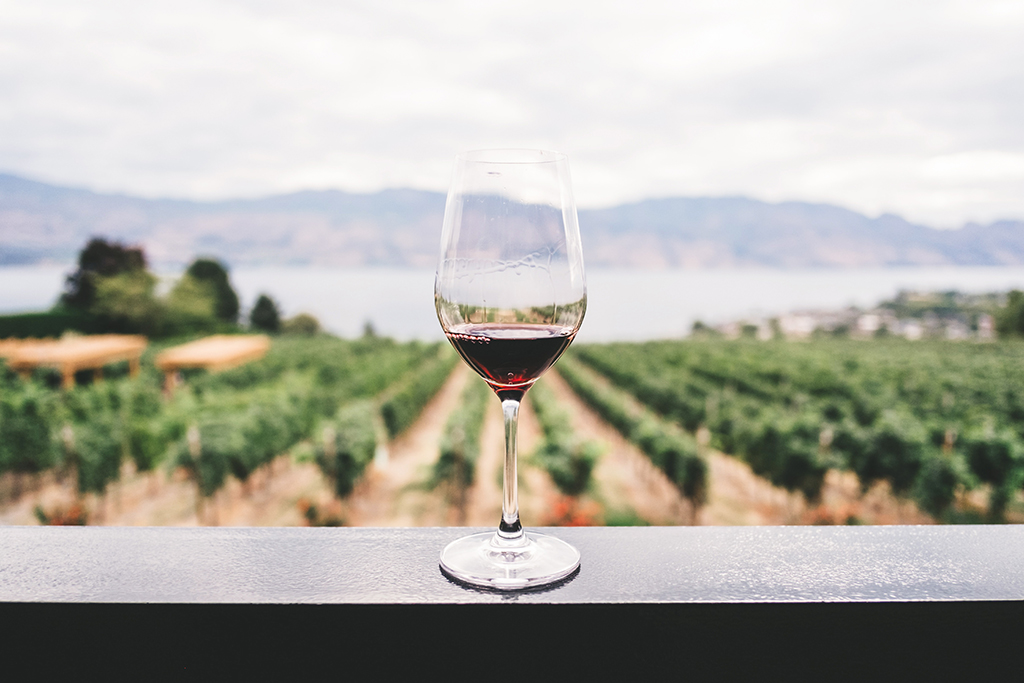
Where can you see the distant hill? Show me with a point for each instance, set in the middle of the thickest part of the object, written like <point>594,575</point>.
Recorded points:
<point>394,227</point>
<point>736,231</point>
<point>40,222</point>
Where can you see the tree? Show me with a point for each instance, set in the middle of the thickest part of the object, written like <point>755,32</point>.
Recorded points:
<point>98,259</point>
<point>190,307</point>
<point>701,330</point>
<point>264,315</point>
<point>1010,319</point>
<point>127,302</point>
<point>215,274</point>
<point>302,324</point>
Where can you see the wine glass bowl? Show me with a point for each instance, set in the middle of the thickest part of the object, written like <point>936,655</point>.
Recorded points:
<point>510,294</point>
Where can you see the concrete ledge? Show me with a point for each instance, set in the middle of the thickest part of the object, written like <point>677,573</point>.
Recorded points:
<point>620,565</point>
<point>827,601</point>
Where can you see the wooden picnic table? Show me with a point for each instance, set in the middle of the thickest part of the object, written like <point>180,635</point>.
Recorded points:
<point>71,354</point>
<point>215,353</point>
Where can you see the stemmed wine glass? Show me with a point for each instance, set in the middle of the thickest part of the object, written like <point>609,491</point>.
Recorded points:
<point>510,294</point>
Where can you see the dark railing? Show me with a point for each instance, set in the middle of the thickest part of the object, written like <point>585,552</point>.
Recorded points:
<point>829,602</point>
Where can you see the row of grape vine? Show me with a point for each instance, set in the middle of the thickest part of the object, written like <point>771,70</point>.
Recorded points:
<point>455,469</point>
<point>670,449</point>
<point>568,459</point>
<point>931,419</point>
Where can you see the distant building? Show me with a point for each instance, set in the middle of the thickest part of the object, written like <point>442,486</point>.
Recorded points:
<point>956,329</point>
<point>986,326</point>
<point>869,323</point>
<point>730,330</point>
<point>798,325</point>
<point>911,329</point>
<point>900,320</point>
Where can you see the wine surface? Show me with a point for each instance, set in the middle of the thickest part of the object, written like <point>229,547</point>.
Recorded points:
<point>508,355</point>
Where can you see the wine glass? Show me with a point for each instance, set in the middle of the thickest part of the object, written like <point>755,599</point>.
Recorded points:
<point>510,294</point>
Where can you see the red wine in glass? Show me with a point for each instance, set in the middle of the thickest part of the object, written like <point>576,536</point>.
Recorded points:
<point>510,356</point>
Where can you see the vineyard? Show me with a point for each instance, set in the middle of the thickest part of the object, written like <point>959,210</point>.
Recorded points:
<point>934,422</point>
<point>328,431</point>
<point>333,397</point>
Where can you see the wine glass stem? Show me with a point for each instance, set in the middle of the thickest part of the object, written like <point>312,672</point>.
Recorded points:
<point>510,529</point>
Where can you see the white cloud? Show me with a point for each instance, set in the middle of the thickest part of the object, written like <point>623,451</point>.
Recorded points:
<point>911,107</point>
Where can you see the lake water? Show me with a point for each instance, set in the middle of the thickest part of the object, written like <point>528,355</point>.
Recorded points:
<point>623,304</point>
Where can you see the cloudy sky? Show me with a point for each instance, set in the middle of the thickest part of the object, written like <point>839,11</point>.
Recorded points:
<point>909,107</point>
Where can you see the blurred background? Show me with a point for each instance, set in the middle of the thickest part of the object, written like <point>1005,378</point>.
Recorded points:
<point>803,226</point>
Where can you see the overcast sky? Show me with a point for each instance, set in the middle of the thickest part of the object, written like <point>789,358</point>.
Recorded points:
<point>915,108</point>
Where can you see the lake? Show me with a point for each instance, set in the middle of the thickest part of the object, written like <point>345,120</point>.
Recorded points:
<point>623,305</point>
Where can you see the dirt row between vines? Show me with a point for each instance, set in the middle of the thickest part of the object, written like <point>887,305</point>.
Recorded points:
<point>397,495</point>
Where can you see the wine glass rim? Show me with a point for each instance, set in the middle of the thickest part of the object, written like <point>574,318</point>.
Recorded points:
<point>511,155</point>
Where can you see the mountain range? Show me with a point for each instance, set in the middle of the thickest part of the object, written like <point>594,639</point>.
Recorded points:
<point>46,223</point>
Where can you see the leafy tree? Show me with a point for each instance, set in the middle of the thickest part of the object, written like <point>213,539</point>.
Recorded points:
<point>701,329</point>
<point>191,306</point>
<point>214,274</point>
<point>264,315</point>
<point>127,301</point>
<point>99,258</point>
<point>1010,318</point>
<point>303,324</point>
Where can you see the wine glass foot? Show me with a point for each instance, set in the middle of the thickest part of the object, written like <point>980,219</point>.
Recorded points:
<point>489,561</point>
